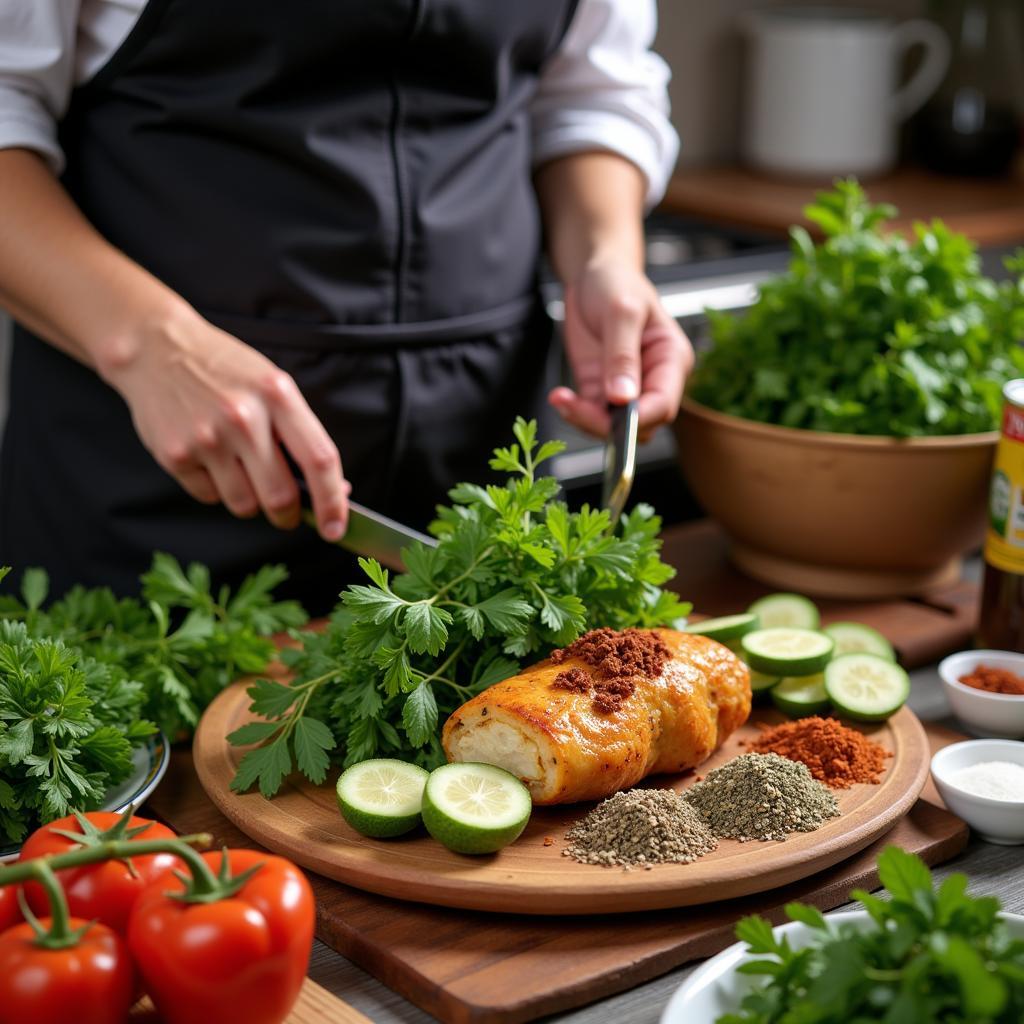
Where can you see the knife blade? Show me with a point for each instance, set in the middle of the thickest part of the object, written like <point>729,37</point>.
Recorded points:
<point>620,458</point>
<point>375,535</point>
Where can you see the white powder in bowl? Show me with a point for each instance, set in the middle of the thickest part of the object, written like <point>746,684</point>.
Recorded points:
<point>998,780</point>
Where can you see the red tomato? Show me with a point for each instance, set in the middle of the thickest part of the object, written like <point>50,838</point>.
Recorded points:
<point>10,913</point>
<point>102,892</point>
<point>91,983</point>
<point>242,958</point>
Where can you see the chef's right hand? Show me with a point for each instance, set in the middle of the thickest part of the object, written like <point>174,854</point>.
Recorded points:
<point>215,414</point>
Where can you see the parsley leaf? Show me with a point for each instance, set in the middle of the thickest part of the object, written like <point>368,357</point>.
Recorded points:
<point>419,715</point>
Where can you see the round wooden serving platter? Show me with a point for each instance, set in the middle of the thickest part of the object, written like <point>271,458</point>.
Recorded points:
<point>303,823</point>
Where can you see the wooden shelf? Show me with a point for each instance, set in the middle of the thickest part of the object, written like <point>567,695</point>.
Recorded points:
<point>989,211</point>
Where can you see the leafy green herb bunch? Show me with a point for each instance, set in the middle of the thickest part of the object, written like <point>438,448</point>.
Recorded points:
<point>68,724</point>
<point>514,574</point>
<point>183,641</point>
<point>931,955</point>
<point>870,333</point>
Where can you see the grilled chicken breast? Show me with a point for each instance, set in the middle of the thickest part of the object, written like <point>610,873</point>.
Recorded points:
<point>565,747</point>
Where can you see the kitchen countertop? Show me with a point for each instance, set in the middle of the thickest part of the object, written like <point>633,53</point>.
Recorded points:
<point>993,870</point>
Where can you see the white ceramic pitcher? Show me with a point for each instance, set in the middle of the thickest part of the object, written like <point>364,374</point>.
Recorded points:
<point>822,93</point>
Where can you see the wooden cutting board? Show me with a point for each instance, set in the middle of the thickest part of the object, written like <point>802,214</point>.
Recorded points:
<point>465,966</point>
<point>315,1005</point>
<point>531,876</point>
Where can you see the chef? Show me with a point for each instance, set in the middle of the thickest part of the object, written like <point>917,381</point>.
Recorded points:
<point>247,241</point>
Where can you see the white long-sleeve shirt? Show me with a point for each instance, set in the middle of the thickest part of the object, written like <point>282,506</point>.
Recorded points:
<point>603,89</point>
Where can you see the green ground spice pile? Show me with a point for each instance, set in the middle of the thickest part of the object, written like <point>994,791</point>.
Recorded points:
<point>640,828</point>
<point>762,796</point>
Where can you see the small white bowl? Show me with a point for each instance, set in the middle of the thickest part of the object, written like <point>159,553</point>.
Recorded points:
<point>995,821</point>
<point>715,987</point>
<point>984,713</point>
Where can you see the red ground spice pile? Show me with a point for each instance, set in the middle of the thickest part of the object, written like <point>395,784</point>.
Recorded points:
<point>618,658</point>
<point>994,680</point>
<point>575,680</point>
<point>835,754</point>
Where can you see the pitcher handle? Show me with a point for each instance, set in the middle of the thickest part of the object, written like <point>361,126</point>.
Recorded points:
<point>906,100</point>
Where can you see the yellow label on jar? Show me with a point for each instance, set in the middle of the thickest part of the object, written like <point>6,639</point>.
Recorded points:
<point>1004,541</point>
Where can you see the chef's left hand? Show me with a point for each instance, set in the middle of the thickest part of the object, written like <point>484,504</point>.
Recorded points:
<point>621,345</point>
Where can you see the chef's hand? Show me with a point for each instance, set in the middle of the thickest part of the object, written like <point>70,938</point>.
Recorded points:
<point>621,345</point>
<point>216,415</point>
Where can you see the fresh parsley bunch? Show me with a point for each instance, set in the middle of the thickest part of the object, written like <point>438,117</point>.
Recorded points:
<point>183,642</point>
<point>68,725</point>
<point>934,956</point>
<point>869,333</point>
<point>514,574</point>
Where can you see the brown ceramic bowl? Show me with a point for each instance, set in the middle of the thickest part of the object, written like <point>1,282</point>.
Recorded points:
<point>838,515</point>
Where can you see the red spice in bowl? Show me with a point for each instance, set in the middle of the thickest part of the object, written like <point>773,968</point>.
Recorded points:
<point>994,680</point>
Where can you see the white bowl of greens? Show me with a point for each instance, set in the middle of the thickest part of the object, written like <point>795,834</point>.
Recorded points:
<point>845,965</point>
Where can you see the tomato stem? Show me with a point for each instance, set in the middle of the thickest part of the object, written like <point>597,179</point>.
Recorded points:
<point>202,884</point>
<point>60,934</point>
<point>121,849</point>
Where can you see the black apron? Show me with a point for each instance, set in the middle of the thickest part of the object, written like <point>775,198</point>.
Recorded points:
<point>344,185</point>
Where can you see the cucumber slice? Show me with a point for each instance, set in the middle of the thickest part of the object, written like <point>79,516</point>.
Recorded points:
<point>762,683</point>
<point>725,627</point>
<point>786,610</point>
<point>866,687</point>
<point>855,638</point>
<point>382,797</point>
<point>787,651</point>
<point>475,808</point>
<point>801,695</point>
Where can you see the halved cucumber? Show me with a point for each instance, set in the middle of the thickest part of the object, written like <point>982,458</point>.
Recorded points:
<point>761,682</point>
<point>786,610</point>
<point>787,651</point>
<point>866,686</point>
<point>855,638</point>
<point>801,695</point>
<point>725,627</point>
<point>475,808</point>
<point>382,797</point>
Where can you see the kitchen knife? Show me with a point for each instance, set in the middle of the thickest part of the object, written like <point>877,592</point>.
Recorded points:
<point>376,536</point>
<point>620,458</point>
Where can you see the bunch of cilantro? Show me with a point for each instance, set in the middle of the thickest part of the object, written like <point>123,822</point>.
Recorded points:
<point>932,956</point>
<point>869,333</point>
<point>514,574</point>
<point>181,643</point>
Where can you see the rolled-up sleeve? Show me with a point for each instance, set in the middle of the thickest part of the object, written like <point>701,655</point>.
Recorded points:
<point>37,58</point>
<point>605,89</point>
